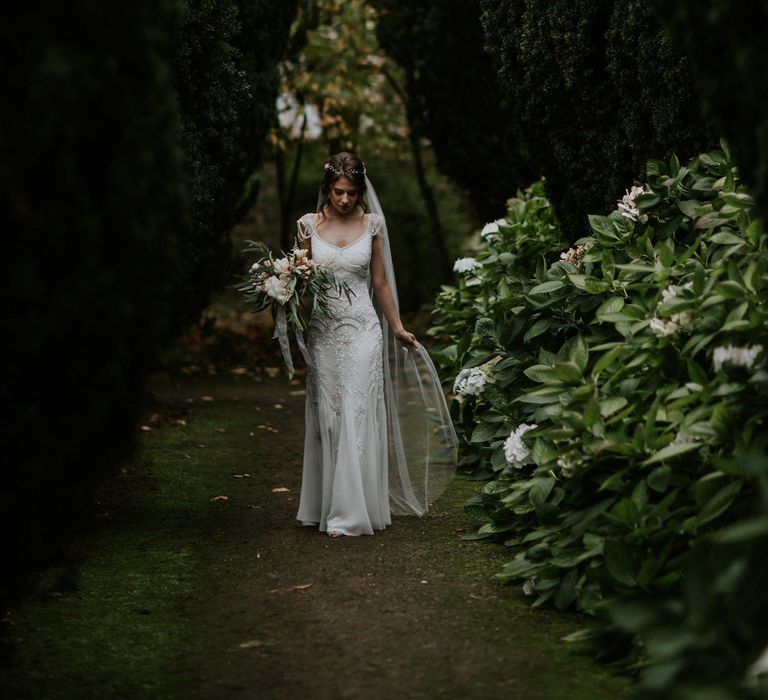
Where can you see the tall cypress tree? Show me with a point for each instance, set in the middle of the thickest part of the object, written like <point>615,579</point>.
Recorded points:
<point>597,89</point>
<point>453,97</point>
<point>725,44</point>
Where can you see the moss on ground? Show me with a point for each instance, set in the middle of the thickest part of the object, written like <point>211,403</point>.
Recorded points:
<point>177,594</point>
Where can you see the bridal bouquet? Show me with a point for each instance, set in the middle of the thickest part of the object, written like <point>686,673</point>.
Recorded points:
<point>282,284</point>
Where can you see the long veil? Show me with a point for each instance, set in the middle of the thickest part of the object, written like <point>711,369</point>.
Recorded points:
<point>422,441</point>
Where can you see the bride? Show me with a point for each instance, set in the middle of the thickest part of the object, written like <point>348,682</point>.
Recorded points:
<point>379,440</point>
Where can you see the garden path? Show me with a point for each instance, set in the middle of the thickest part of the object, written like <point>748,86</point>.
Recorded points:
<point>184,594</point>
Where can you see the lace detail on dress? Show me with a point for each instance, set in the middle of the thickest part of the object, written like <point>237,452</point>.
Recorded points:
<point>304,228</point>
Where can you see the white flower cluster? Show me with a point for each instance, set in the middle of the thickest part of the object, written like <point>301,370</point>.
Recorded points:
<point>490,229</point>
<point>569,461</point>
<point>515,450</point>
<point>675,322</point>
<point>277,278</point>
<point>280,288</point>
<point>530,585</point>
<point>575,256</point>
<point>627,206</point>
<point>743,357</point>
<point>470,381</point>
<point>466,265</point>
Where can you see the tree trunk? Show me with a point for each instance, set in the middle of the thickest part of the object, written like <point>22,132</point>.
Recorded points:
<point>427,195</point>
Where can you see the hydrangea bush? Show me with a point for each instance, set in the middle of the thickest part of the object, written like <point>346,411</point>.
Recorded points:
<point>634,362</point>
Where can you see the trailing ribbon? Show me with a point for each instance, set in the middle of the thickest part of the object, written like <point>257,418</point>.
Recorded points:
<point>303,347</point>
<point>281,333</point>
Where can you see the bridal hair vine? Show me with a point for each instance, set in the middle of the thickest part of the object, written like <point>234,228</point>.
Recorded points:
<point>344,173</point>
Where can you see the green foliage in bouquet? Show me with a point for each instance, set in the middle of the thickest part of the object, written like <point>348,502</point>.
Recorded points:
<point>283,284</point>
<point>297,277</point>
<point>613,395</point>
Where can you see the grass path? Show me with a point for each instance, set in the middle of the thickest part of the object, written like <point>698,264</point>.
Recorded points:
<point>175,595</point>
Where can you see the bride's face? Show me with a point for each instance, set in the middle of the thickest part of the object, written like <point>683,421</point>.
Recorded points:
<point>343,196</point>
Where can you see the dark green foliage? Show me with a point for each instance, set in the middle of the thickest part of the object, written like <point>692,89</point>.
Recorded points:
<point>227,83</point>
<point>453,98</point>
<point>725,43</point>
<point>702,641</point>
<point>92,211</point>
<point>128,137</point>
<point>597,89</point>
<point>637,489</point>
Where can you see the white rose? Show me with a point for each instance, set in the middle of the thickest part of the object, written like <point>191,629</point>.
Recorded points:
<point>280,288</point>
<point>282,266</point>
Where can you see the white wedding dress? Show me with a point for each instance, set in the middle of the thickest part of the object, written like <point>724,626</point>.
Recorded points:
<point>345,473</point>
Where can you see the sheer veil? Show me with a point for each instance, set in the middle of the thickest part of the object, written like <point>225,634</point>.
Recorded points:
<point>422,441</point>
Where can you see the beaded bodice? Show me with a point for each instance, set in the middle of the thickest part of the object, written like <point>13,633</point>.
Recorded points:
<point>350,264</point>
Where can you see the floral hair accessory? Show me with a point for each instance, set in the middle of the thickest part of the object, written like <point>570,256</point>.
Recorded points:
<point>344,173</point>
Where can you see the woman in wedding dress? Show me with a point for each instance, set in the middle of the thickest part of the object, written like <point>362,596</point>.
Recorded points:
<point>379,440</point>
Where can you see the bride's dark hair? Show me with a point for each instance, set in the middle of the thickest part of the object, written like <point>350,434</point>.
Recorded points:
<point>343,165</point>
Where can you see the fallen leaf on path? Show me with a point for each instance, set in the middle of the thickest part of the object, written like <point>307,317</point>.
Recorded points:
<point>240,476</point>
<point>298,392</point>
<point>273,430</point>
<point>278,405</point>
<point>178,421</point>
<point>288,589</point>
<point>145,428</point>
<point>280,489</point>
<point>254,643</point>
<point>206,398</point>
<point>220,498</point>
<point>202,444</point>
<point>221,430</point>
<point>295,381</point>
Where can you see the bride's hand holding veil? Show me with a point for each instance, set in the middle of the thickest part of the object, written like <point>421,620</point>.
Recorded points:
<point>407,338</point>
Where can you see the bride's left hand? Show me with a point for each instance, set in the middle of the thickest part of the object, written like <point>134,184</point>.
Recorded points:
<point>407,338</point>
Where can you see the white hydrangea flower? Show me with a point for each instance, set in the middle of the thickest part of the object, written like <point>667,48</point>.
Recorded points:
<point>662,328</point>
<point>675,322</point>
<point>530,585</point>
<point>470,382</point>
<point>466,265</point>
<point>673,291</point>
<point>627,206</point>
<point>515,450</point>
<point>280,288</point>
<point>757,669</point>
<point>728,354</point>
<point>491,228</point>
<point>575,256</point>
